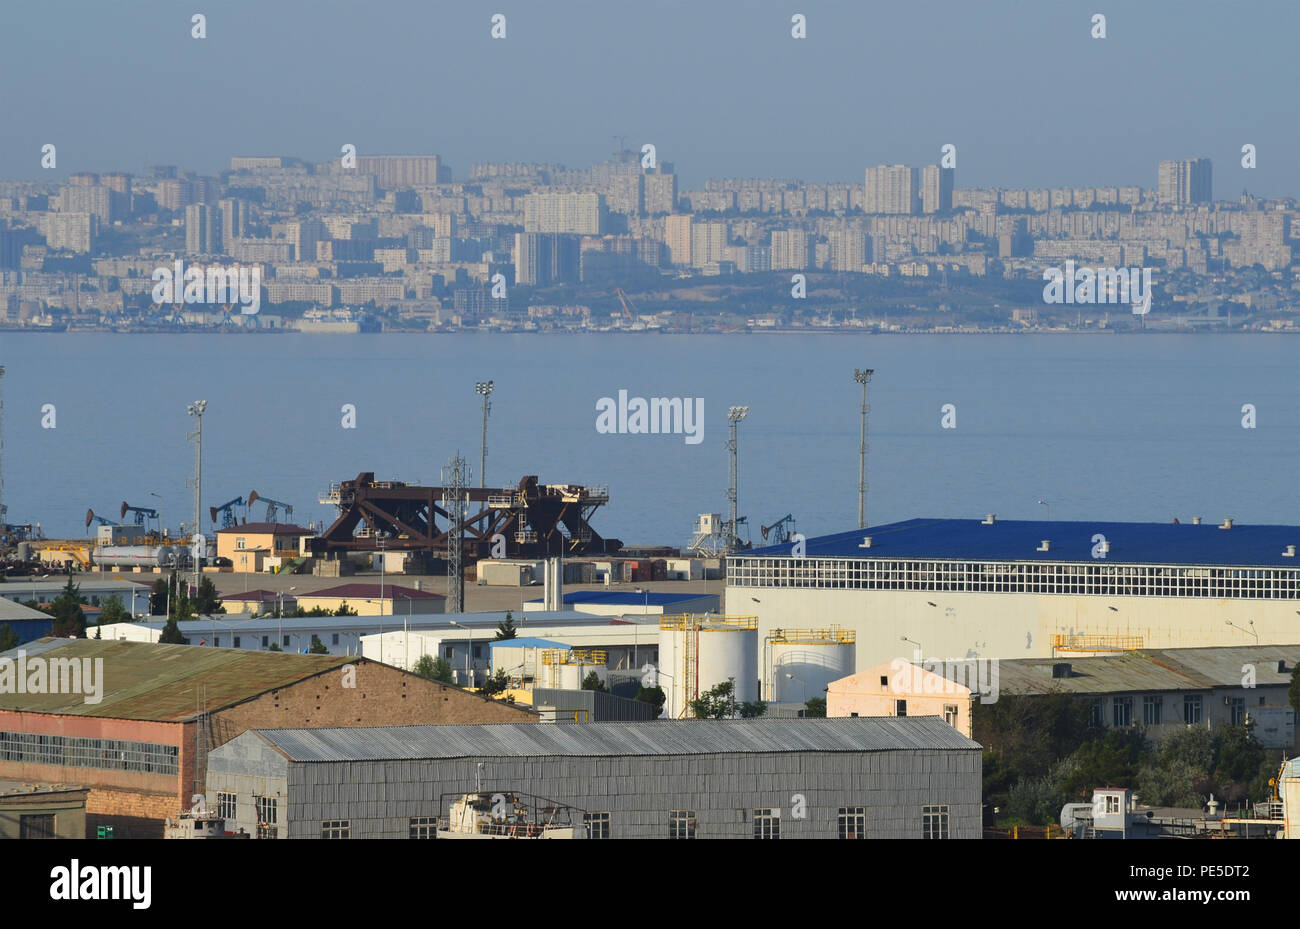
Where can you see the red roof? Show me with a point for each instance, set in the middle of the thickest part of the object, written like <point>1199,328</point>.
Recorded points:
<point>371,592</point>
<point>262,596</point>
<point>268,528</point>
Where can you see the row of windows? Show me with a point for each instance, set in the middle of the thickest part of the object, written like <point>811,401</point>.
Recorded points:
<point>1153,710</point>
<point>1002,577</point>
<point>851,821</point>
<point>682,824</point>
<point>110,754</point>
<point>266,640</point>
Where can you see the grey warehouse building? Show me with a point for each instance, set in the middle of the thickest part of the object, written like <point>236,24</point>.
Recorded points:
<point>887,778</point>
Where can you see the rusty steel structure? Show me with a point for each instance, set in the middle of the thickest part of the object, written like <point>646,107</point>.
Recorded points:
<point>534,520</point>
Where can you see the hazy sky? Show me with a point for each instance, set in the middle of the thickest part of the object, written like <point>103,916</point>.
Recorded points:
<point>721,88</point>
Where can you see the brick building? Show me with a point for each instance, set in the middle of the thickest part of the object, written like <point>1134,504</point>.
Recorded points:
<point>134,722</point>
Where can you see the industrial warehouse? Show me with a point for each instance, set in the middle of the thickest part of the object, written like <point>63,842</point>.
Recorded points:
<point>764,779</point>
<point>1029,589</point>
<point>142,747</point>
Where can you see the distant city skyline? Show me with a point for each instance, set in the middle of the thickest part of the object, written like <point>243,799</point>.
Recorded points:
<point>1026,95</point>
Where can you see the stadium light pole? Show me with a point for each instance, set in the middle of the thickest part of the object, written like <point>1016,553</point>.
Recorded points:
<point>734,415</point>
<point>863,376</point>
<point>484,388</point>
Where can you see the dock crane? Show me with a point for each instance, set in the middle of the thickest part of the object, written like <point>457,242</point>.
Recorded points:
<point>272,506</point>
<point>227,511</point>
<point>142,513</point>
<point>780,534</point>
<point>627,304</point>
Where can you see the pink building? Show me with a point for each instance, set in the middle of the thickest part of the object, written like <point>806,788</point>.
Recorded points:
<point>902,688</point>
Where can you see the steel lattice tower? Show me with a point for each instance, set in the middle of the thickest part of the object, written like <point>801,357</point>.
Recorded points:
<point>455,478</point>
<point>734,415</point>
<point>863,377</point>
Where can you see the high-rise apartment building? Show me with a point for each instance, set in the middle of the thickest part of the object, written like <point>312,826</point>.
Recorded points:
<point>892,189</point>
<point>575,214</point>
<point>791,250</point>
<point>660,192</point>
<point>1179,183</point>
<point>708,243</point>
<point>398,171</point>
<point>677,237</point>
<point>234,217</point>
<point>546,258</point>
<point>202,229</point>
<point>936,189</point>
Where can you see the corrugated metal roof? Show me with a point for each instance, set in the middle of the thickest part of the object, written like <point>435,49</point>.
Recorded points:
<point>157,682</point>
<point>1017,540</point>
<point>665,737</point>
<point>422,622</point>
<point>1150,670</point>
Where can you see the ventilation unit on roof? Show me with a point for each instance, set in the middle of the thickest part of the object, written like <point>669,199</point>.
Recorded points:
<point>1227,523</point>
<point>866,542</point>
<point>1196,520</point>
<point>990,519</point>
<point>1290,552</point>
<point>1045,545</point>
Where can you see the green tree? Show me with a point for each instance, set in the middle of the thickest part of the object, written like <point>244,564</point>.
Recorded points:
<point>274,647</point>
<point>158,598</point>
<point>718,702</point>
<point>345,610</point>
<point>496,684</point>
<point>507,630</point>
<point>593,682</point>
<point>113,612</point>
<point>653,695</point>
<point>815,708</point>
<point>751,709</point>
<point>69,619</point>
<point>8,638</point>
<point>171,633</point>
<point>206,599</point>
<point>317,647</point>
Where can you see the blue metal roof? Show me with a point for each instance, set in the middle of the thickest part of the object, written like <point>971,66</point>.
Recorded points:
<point>1018,540</point>
<point>629,597</point>
<point>528,642</point>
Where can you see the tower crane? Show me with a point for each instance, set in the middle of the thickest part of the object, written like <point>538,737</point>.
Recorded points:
<point>272,506</point>
<point>227,511</point>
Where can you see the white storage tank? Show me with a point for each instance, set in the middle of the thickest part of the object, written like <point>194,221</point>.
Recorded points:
<point>566,668</point>
<point>125,556</point>
<point>804,661</point>
<point>699,651</point>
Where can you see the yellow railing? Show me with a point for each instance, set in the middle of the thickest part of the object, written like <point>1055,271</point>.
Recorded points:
<point>832,636</point>
<point>555,656</point>
<point>1079,642</point>
<point>684,621</point>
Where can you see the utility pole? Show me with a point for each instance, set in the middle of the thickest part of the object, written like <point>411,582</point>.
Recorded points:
<point>484,388</point>
<point>196,410</point>
<point>863,376</point>
<point>455,477</point>
<point>734,415</point>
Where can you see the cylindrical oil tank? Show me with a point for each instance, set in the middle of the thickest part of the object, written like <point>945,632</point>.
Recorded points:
<point>127,556</point>
<point>570,674</point>
<point>811,659</point>
<point>696,653</point>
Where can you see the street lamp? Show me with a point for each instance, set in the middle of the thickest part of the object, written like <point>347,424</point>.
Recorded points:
<point>863,376</point>
<point>802,683</point>
<point>645,614</point>
<point>1049,509</point>
<point>161,533</point>
<point>280,614</point>
<point>484,389</point>
<point>380,542</point>
<point>196,409</point>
